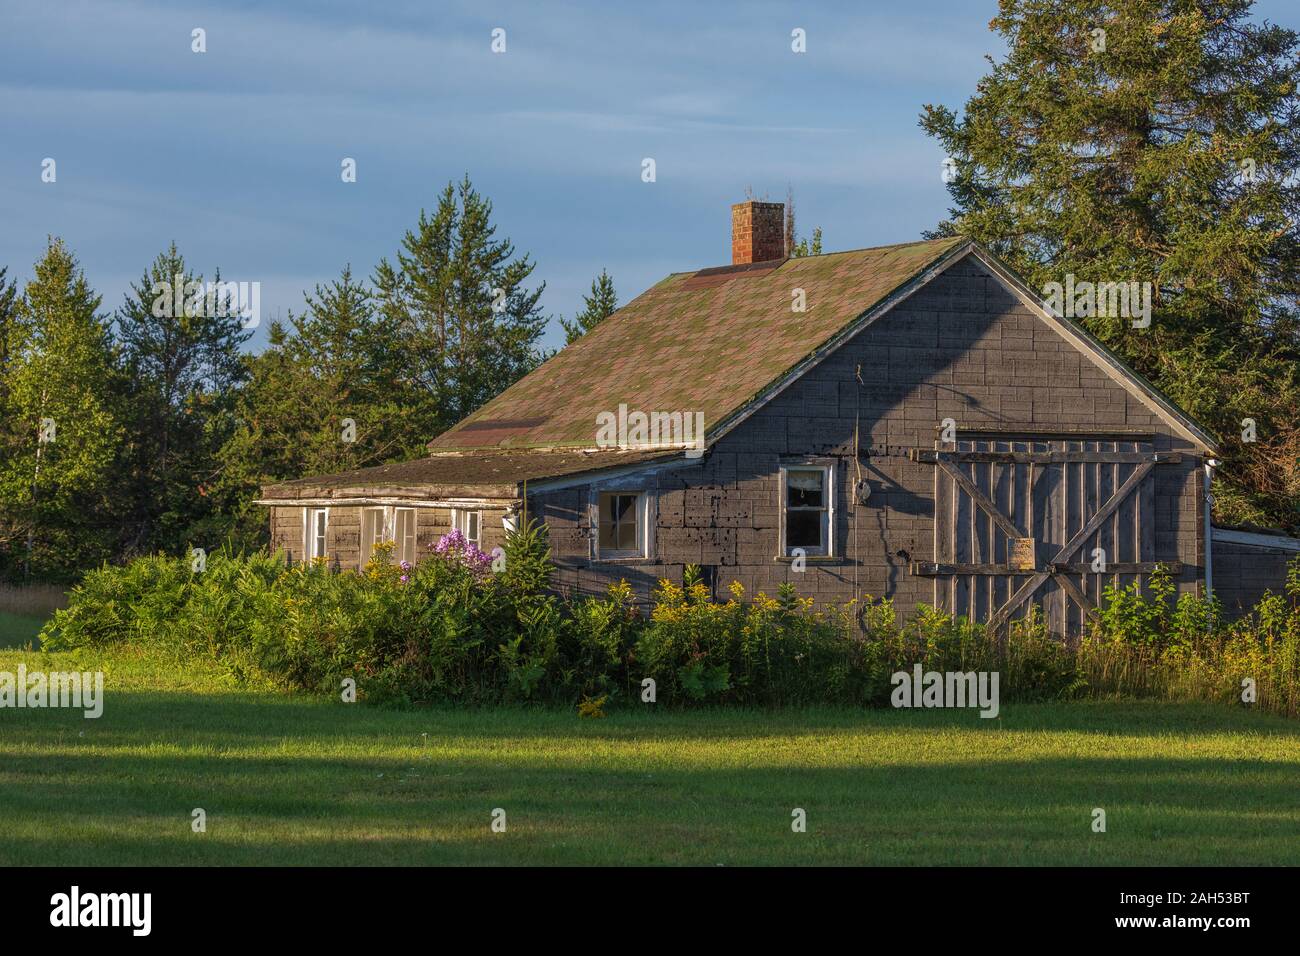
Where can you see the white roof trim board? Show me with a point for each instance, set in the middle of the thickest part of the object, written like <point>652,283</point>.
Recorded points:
<point>1254,539</point>
<point>385,501</point>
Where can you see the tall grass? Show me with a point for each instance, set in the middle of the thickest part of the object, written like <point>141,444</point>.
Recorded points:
<point>1147,644</point>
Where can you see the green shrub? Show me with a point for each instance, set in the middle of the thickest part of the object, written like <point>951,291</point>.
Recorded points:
<point>450,630</point>
<point>596,648</point>
<point>1148,644</point>
<point>114,605</point>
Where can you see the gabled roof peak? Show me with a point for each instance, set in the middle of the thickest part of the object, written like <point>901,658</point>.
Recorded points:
<point>705,342</point>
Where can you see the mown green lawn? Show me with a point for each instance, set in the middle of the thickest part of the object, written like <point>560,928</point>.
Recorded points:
<point>292,780</point>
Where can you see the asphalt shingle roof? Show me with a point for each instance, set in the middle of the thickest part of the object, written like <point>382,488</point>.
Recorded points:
<point>708,341</point>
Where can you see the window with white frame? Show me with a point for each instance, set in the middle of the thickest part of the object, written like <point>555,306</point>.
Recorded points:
<point>468,523</point>
<point>404,535</point>
<point>373,531</point>
<point>806,509</point>
<point>621,531</point>
<point>317,526</point>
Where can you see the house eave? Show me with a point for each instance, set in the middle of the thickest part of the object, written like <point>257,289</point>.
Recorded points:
<point>399,501</point>
<point>611,473</point>
<point>1256,539</point>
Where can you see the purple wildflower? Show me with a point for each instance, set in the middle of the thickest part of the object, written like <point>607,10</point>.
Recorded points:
<point>454,546</point>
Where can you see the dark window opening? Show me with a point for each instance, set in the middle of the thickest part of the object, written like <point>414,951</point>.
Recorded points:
<point>619,524</point>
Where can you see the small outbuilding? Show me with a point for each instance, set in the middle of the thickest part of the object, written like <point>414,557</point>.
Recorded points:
<point>907,422</point>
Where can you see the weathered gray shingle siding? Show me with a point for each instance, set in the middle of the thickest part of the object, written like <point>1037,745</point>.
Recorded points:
<point>1242,573</point>
<point>963,347</point>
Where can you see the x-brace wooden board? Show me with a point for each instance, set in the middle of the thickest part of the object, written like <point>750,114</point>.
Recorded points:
<point>1027,590</point>
<point>1008,526</point>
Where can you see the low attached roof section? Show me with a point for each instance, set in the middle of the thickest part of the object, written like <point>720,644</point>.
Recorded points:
<point>499,474</point>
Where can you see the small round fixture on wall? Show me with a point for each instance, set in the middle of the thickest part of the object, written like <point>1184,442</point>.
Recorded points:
<point>862,491</point>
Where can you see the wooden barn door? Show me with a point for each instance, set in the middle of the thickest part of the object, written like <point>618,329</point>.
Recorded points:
<point>1018,521</point>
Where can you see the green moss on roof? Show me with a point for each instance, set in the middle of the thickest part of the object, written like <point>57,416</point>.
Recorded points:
<point>693,343</point>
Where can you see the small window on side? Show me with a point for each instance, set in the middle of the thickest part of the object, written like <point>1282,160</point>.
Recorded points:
<point>806,510</point>
<point>372,531</point>
<point>468,523</point>
<point>404,535</point>
<point>620,532</point>
<point>317,530</point>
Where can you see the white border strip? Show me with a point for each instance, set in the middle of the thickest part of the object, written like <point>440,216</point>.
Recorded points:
<point>1277,542</point>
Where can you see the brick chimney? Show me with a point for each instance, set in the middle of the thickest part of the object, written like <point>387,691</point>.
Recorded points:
<point>757,232</point>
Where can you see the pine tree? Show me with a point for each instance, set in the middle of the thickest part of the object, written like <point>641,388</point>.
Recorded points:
<point>183,368</point>
<point>323,398</point>
<point>467,324</point>
<point>1155,141</point>
<point>596,307</point>
<point>795,246</point>
<point>64,436</point>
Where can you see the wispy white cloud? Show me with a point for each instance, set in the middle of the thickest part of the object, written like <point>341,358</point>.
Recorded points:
<point>235,153</point>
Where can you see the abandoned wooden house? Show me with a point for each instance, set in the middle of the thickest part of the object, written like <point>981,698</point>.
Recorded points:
<point>907,421</point>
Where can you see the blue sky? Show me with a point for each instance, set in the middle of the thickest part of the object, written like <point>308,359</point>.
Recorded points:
<point>235,153</point>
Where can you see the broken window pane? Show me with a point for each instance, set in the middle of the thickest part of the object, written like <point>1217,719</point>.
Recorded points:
<point>804,488</point>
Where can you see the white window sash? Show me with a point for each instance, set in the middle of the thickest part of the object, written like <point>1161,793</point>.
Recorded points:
<point>827,510</point>
<point>460,521</point>
<point>640,512</point>
<point>403,535</point>
<point>311,540</point>
<point>374,531</point>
